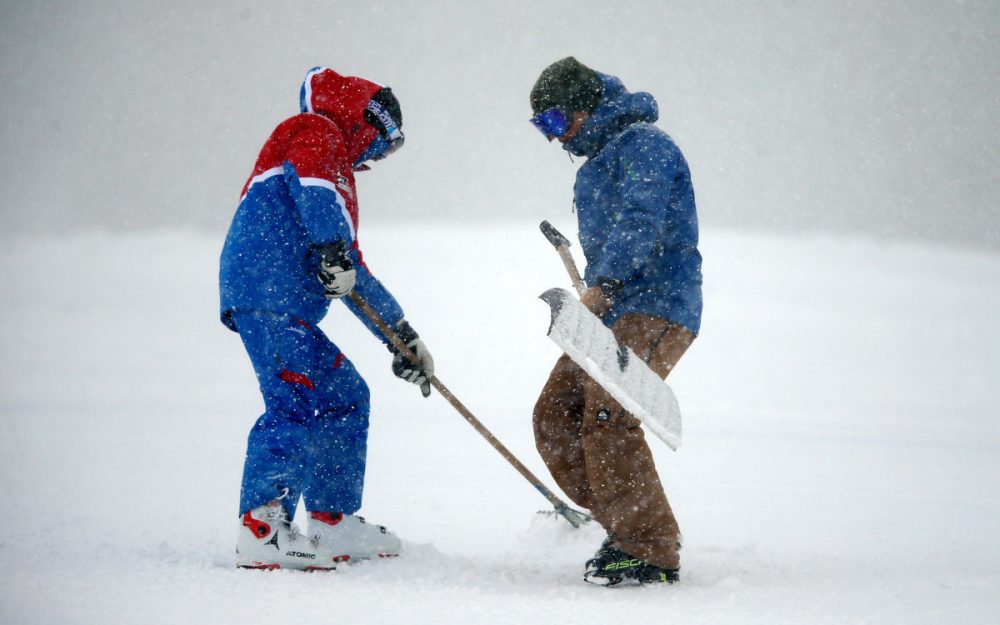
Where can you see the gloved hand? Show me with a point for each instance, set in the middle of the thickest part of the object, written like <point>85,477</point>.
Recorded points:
<point>336,271</point>
<point>404,368</point>
<point>600,298</point>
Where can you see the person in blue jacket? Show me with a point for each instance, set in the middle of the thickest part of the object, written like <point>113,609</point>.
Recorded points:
<point>638,228</point>
<point>291,250</point>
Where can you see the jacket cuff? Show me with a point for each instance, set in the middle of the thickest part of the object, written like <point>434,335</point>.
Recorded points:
<point>405,332</point>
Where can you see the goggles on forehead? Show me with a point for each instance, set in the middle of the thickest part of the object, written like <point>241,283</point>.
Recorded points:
<point>551,123</point>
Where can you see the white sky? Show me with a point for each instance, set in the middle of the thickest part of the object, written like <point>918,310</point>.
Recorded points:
<point>805,116</point>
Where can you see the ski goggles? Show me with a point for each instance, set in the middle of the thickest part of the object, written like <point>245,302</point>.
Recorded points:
<point>392,144</point>
<point>389,131</point>
<point>379,148</point>
<point>551,123</point>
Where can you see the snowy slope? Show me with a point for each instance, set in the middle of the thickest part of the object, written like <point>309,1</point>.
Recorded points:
<point>840,462</point>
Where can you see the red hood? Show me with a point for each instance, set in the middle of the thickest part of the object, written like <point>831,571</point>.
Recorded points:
<point>342,99</point>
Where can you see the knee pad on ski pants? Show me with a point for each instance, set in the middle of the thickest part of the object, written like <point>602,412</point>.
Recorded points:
<point>312,437</point>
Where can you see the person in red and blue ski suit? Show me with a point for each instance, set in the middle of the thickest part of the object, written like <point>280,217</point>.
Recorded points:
<point>293,248</point>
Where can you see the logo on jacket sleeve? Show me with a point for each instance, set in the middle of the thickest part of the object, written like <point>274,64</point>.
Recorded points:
<point>345,185</point>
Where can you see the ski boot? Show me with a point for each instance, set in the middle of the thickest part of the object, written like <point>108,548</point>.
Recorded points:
<point>611,566</point>
<point>349,537</point>
<point>268,540</point>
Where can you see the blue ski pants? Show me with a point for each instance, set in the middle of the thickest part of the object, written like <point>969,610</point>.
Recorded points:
<point>312,438</point>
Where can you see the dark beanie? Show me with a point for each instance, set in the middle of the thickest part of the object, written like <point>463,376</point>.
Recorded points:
<point>569,85</point>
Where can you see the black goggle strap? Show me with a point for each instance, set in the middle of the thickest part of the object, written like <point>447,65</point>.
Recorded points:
<point>389,128</point>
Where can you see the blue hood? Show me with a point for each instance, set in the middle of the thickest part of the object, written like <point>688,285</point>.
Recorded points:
<point>619,108</point>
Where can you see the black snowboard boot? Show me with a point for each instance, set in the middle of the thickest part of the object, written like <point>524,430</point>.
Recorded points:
<point>611,566</point>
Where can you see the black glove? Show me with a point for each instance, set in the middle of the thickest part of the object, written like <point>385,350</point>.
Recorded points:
<point>336,271</point>
<point>417,373</point>
<point>611,287</point>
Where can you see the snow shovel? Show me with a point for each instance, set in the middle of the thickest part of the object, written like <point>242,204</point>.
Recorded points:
<point>561,244</point>
<point>592,346</point>
<point>575,517</point>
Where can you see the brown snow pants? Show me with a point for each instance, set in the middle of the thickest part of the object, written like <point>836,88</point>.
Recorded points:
<point>596,450</point>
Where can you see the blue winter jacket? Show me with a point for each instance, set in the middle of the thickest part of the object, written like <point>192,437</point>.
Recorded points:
<point>636,210</point>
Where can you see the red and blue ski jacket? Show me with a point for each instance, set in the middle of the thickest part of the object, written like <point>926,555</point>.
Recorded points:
<point>300,196</point>
<point>636,210</point>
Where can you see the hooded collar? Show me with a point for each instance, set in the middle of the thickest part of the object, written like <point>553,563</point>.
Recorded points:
<point>342,99</point>
<point>619,108</point>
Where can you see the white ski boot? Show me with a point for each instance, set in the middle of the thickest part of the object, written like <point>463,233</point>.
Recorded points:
<point>267,540</point>
<point>349,537</point>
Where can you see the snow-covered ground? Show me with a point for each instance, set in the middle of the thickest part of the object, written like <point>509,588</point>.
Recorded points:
<point>841,461</point>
